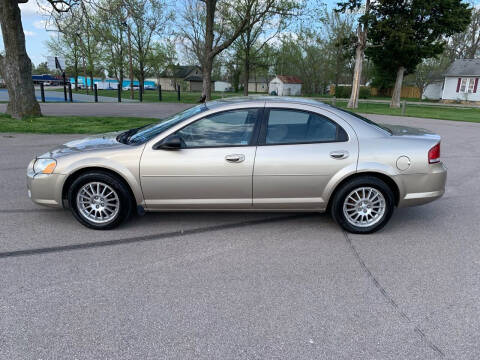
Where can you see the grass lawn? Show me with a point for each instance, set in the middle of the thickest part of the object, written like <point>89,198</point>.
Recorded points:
<point>152,95</point>
<point>70,124</point>
<point>421,111</point>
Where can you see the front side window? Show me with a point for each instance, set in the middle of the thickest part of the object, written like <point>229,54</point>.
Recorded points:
<point>229,128</point>
<point>142,135</point>
<point>293,126</point>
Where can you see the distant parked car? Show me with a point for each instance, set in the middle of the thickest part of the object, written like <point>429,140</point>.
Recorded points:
<point>245,154</point>
<point>135,87</point>
<point>149,87</point>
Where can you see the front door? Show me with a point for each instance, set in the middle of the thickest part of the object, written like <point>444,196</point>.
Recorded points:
<point>299,152</point>
<point>212,170</point>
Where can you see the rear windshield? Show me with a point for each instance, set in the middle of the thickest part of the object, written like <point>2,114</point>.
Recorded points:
<point>364,119</point>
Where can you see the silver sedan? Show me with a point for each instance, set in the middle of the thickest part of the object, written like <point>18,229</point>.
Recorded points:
<point>245,154</point>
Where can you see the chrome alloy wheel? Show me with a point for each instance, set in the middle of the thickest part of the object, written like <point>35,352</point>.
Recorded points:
<point>98,202</point>
<point>364,207</point>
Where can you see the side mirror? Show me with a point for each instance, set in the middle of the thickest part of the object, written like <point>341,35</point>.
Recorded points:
<point>172,142</point>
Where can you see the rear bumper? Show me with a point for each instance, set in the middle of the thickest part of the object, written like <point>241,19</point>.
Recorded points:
<point>419,189</point>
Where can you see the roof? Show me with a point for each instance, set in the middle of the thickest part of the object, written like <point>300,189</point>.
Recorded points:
<point>179,71</point>
<point>263,98</point>
<point>289,79</point>
<point>194,78</point>
<point>464,67</point>
<point>259,79</point>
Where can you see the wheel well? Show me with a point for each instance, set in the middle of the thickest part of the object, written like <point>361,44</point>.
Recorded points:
<point>71,178</point>
<point>385,178</point>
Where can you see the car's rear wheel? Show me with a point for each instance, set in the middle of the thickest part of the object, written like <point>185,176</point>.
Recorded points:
<point>363,205</point>
<point>99,200</point>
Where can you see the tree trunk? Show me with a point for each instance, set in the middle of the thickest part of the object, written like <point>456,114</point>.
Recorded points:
<point>359,56</point>
<point>397,90</point>
<point>207,79</point>
<point>208,55</point>
<point>15,66</point>
<point>246,70</point>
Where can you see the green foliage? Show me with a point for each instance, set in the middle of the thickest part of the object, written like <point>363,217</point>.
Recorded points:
<point>343,92</point>
<point>365,92</point>
<point>41,69</point>
<point>70,124</point>
<point>403,33</point>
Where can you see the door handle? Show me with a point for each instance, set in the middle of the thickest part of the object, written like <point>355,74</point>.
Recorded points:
<point>235,158</point>
<point>340,154</point>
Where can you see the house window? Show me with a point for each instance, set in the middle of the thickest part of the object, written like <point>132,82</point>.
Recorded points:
<point>467,85</point>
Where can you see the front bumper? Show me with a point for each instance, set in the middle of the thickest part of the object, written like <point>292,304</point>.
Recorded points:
<point>419,189</point>
<point>45,189</point>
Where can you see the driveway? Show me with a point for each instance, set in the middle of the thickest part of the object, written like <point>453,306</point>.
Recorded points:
<point>240,285</point>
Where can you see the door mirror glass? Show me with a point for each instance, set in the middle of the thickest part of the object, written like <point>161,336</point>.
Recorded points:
<point>172,142</point>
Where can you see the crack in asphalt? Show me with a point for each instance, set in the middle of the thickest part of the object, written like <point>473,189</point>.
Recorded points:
<point>144,238</point>
<point>390,299</point>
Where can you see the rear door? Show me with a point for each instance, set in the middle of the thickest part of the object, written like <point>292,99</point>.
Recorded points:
<point>300,150</point>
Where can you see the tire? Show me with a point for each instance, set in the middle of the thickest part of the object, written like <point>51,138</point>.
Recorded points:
<point>105,211</point>
<point>363,205</point>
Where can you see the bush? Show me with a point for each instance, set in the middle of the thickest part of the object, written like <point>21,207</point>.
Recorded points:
<point>344,92</point>
<point>364,92</point>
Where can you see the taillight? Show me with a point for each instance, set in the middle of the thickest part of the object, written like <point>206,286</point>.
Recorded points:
<point>434,154</point>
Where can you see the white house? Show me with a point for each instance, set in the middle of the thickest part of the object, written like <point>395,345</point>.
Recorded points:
<point>285,85</point>
<point>222,86</point>
<point>461,81</point>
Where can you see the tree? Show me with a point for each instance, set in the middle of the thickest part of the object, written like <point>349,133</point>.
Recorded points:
<point>211,26</point>
<point>466,44</point>
<point>112,30</point>
<point>146,19</point>
<point>339,42</point>
<point>41,69</point>
<point>362,27</point>
<point>161,57</point>
<point>256,35</point>
<point>404,33</point>
<point>67,43</point>
<point>15,65</point>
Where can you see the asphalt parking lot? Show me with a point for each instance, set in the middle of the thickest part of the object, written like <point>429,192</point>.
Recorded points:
<point>242,286</point>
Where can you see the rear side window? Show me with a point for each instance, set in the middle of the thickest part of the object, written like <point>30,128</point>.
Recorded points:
<point>300,127</point>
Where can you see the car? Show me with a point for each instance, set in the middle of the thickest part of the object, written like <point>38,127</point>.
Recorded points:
<point>127,87</point>
<point>245,154</point>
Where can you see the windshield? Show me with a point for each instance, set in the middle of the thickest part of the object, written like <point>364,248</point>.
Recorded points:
<point>143,134</point>
<point>364,119</point>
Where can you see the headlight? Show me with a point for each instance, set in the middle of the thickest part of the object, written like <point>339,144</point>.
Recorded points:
<point>44,166</point>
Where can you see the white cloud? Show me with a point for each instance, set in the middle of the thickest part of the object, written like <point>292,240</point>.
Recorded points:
<point>29,33</point>
<point>33,7</point>
<point>40,24</point>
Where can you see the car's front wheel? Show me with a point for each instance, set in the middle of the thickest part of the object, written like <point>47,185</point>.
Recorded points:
<point>99,200</point>
<point>363,205</point>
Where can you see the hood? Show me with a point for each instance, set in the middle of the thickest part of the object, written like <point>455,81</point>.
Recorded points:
<point>400,130</point>
<point>90,143</point>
